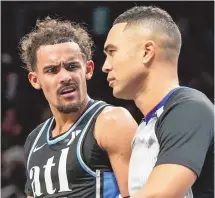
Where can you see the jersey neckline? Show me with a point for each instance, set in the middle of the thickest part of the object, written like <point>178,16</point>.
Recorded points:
<point>160,104</point>
<point>62,136</point>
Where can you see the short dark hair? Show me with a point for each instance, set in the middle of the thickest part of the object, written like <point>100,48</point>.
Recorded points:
<point>156,19</point>
<point>52,31</point>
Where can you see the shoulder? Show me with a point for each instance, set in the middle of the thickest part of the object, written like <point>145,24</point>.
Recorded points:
<point>30,139</point>
<point>31,136</point>
<point>189,102</point>
<point>116,116</point>
<point>35,131</point>
<point>187,110</point>
<point>114,124</point>
<point>188,95</point>
<point>185,130</point>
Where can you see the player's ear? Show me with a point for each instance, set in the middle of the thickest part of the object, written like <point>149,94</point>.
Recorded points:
<point>33,79</point>
<point>89,69</point>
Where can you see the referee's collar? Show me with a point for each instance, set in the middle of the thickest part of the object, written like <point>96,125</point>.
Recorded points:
<point>159,105</point>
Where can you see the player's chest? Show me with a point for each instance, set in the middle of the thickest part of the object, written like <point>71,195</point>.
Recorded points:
<point>55,159</point>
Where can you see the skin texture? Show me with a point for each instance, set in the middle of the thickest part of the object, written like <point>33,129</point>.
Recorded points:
<point>114,132</point>
<point>136,64</point>
<point>123,63</point>
<point>63,65</point>
<point>139,69</point>
<point>58,66</point>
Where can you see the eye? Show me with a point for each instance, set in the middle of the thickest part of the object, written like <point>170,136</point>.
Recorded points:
<point>51,70</point>
<point>111,52</point>
<point>72,66</point>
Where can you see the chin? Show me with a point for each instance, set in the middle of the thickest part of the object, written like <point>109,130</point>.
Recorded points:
<point>121,95</point>
<point>66,109</point>
<point>70,107</point>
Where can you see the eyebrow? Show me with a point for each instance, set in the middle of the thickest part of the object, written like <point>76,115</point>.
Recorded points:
<point>107,47</point>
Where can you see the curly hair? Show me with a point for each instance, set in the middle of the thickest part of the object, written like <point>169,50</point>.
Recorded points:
<point>52,31</point>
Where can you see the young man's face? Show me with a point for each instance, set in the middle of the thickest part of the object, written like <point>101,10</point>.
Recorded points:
<point>123,63</point>
<point>62,73</point>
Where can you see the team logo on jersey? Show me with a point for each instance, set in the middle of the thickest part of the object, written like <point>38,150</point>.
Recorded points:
<point>73,136</point>
<point>34,175</point>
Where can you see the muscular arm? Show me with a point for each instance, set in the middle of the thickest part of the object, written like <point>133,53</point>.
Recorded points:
<point>114,131</point>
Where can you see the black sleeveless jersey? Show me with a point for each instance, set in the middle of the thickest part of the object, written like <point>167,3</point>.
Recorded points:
<point>71,164</point>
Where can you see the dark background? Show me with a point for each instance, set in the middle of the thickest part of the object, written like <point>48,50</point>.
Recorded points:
<point>23,108</point>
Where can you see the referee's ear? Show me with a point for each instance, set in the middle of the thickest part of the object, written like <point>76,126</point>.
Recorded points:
<point>32,77</point>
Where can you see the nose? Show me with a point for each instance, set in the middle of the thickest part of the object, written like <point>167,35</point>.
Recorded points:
<point>65,76</point>
<point>106,67</point>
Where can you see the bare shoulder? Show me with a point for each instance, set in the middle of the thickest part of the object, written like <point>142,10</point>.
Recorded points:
<point>114,124</point>
<point>116,117</point>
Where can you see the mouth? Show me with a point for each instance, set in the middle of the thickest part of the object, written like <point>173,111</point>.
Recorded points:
<point>67,91</point>
<point>111,81</point>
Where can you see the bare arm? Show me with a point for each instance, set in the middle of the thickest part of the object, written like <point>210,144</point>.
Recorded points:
<point>29,197</point>
<point>114,131</point>
<point>167,180</point>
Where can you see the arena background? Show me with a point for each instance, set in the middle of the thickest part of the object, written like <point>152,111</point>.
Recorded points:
<point>23,108</point>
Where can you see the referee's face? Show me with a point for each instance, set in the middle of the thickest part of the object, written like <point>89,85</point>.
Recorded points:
<point>124,62</point>
<point>61,73</point>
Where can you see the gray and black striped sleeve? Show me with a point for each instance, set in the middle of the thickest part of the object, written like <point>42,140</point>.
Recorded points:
<point>185,132</point>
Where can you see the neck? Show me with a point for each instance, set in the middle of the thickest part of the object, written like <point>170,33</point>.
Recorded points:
<point>65,121</point>
<point>158,86</point>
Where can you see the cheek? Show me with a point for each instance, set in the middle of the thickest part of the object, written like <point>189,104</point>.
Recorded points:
<point>49,86</point>
<point>80,79</point>
<point>118,62</point>
<point>122,66</point>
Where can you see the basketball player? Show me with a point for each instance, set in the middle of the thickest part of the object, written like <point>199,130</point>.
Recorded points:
<point>172,152</point>
<point>75,152</point>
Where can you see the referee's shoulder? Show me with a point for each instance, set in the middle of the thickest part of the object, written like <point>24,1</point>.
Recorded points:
<point>192,97</point>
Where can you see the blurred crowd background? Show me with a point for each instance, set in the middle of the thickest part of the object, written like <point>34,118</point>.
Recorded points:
<point>23,108</point>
